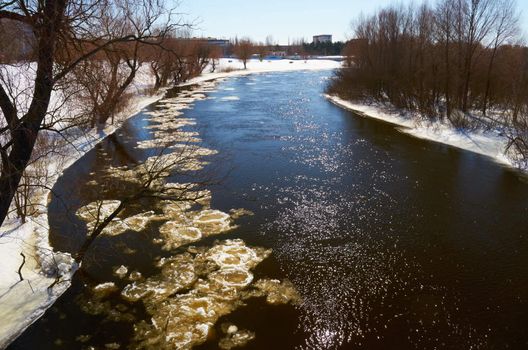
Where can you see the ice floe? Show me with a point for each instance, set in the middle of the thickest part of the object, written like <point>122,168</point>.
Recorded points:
<point>230,98</point>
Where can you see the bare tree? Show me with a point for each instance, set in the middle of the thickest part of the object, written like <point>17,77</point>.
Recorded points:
<point>504,29</point>
<point>35,178</point>
<point>479,17</point>
<point>105,78</point>
<point>74,27</point>
<point>244,49</point>
<point>198,56</point>
<point>270,42</point>
<point>458,60</point>
<point>215,55</point>
<point>262,51</point>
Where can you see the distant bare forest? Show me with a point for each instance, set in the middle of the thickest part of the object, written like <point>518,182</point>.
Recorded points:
<point>460,61</point>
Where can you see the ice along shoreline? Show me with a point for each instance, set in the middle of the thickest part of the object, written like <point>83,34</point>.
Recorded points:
<point>490,144</point>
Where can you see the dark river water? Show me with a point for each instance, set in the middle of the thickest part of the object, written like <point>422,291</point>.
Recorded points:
<point>391,241</point>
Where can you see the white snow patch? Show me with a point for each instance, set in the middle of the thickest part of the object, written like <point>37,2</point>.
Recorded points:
<point>236,68</point>
<point>491,144</point>
<point>24,302</point>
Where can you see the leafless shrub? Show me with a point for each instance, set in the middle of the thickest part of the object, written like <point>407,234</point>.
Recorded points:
<point>228,69</point>
<point>244,49</point>
<point>460,61</point>
<point>66,34</point>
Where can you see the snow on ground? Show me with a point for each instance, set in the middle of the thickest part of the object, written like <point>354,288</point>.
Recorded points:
<point>23,302</point>
<point>491,143</point>
<point>231,67</point>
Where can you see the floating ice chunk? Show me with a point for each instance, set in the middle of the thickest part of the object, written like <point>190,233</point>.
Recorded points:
<point>238,213</point>
<point>164,113</point>
<point>83,338</point>
<point>236,339</point>
<point>121,271</point>
<point>232,277</point>
<point>214,286</point>
<point>177,136</point>
<point>184,198</point>
<point>105,286</point>
<point>56,264</point>
<point>99,210</point>
<point>133,292</point>
<point>193,150</point>
<point>177,273</point>
<point>135,276</point>
<point>136,223</point>
<point>166,140</point>
<point>210,215</point>
<point>174,210</point>
<point>158,165</point>
<point>103,290</point>
<point>169,105</point>
<point>171,124</point>
<point>235,254</point>
<point>139,222</point>
<point>212,222</point>
<point>230,98</point>
<point>232,329</point>
<point>277,292</point>
<point>158,143</point>
<point>175,235</point>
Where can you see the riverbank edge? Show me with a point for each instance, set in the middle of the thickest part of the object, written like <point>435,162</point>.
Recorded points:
<point>490,144</point>
<point>37,229</point>
<point>45,288</point>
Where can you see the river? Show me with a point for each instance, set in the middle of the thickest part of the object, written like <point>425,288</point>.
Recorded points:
<point>390,242</point>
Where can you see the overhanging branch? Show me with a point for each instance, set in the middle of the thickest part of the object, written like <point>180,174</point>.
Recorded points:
<point>14,16</point>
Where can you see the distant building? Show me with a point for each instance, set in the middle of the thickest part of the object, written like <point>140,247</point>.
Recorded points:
<point>221,43</point>
<point>280,54</point>
<point>218,42</point>
<point>325,38</point>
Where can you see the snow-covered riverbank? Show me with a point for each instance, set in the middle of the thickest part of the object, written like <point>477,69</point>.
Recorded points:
<point>23,302</point>
<point>491,143</point>
<point>46,274</point>
<point>228,68</point>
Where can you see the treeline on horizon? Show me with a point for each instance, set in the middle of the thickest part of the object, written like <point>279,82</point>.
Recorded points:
<point>23,49</point>
<point>460,61</point>
<point>80,69</point>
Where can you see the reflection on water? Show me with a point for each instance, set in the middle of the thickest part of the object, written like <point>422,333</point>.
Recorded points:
<point>193,290</point>
<point>361,237</point>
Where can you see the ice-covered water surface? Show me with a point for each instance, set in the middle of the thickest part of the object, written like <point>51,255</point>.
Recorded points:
<point>388,241</point>
<point>176,302</point>
<point>192,290</point>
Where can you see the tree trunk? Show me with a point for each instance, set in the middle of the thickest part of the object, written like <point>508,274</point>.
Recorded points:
<point>24,140</point>
<point>108,107</point>
<point>488,81</point>
<point>25,134</point>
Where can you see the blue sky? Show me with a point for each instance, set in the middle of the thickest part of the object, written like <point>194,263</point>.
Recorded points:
<point>285,19</point>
